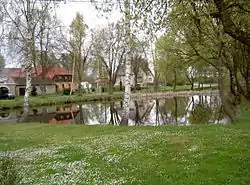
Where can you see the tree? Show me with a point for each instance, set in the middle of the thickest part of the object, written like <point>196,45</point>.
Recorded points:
<point>48,29</point>
<point>78,52</point>
<point>139,63</point>
<point>109,47</point>
<point>22,18</point>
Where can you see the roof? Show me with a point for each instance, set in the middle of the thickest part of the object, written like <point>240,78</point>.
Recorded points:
<point>34,81</point>
<point>50,72</point>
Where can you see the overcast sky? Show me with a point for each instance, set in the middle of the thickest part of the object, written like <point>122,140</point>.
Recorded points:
<point>67,12</point>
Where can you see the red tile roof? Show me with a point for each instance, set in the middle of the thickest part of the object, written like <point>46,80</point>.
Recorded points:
<point>50,72</point>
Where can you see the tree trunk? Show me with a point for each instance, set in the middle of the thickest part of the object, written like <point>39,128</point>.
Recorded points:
<point>192,85</point>
<point>110,86</point>
<point>156,82</point>
<point>28,72</point>
<point>127,93</point>
<point>157,112</point>
<point>137,114</point>
<point>226,104</point>
<point>175,79</point>
<point>135,79</point>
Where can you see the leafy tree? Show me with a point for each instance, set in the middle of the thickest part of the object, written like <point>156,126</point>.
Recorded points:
<point>77,49</point>
<point>109,48</point>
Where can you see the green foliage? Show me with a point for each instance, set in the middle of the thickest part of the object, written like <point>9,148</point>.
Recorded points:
<point>66,91</point>
<point>33,91</point>
<point>78,53</point>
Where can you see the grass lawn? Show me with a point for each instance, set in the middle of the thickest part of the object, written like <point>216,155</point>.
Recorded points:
<point>59,99</point>
<point>174,155</point>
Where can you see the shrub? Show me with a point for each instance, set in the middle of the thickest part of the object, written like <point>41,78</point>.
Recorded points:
<point>8,171</point>
<point>67,92</point>
<point>33,91</point>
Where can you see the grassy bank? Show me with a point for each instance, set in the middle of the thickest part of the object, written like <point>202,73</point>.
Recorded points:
<point>78,154</point>
<point>59,99</point>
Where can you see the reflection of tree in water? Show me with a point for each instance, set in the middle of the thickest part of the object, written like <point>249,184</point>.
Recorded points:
<point>173,109</point>
<point>81,116</point>
<point>142,117</point>
<point>201,113</point>
<point>207,110</point>
<point>114,118</point>
<point>96,112</point>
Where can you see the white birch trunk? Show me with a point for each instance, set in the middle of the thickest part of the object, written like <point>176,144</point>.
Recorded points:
<point>127,83</point>
<point>28,73</point>
<point>29,46</point>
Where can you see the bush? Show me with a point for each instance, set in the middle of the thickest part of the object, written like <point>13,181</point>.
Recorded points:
<point>33,91</point>
<point>180,83</point>
<point>8,171</point>
<point>67,91</point>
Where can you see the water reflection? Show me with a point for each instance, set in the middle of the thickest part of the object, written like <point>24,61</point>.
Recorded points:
<point>178,111</point>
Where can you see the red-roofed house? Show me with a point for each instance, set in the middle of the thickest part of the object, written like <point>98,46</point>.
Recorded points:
<point>59,78</point>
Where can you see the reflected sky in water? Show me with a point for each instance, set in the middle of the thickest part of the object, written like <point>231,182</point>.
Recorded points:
<point>170,111</point>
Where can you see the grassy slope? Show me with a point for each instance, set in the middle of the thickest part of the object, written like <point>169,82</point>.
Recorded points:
<point>78,154</point>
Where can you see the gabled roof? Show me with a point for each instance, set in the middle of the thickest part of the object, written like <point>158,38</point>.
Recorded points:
<point>50,72</point>
<point>34,81</point>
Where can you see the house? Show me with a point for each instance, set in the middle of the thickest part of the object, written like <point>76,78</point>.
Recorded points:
<point>55,79</point>
<point>144,78</point>
<point>6,82</point>
<point>20,84</point>
<point>60,75</point>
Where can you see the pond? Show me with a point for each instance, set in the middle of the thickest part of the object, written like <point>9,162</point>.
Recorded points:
<point>176,110</point>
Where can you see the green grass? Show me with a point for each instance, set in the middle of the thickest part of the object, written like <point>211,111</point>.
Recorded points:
<point>175,155</point>
<point>58,99</point>
<point>178,88</point>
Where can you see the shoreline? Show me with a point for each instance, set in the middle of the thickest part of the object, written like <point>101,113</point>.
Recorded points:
<point>63,99</point>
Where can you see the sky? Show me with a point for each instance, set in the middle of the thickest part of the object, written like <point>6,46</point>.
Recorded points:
<point>93,18</point>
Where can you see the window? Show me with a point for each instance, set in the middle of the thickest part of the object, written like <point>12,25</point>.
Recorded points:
<point>63,86</point>
<point>70,86</point>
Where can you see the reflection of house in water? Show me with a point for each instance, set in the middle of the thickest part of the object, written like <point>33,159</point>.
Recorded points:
<point>65,115</point>
<point>61,114</point>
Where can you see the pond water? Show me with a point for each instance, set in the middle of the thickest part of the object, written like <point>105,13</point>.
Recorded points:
<point>176,110</point>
